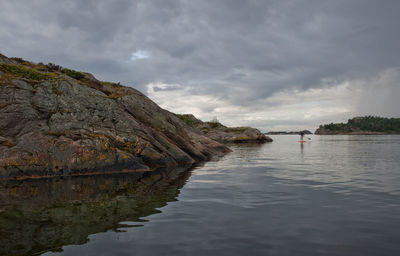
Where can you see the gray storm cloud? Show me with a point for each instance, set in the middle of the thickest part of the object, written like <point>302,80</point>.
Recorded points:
<point>239,54</point>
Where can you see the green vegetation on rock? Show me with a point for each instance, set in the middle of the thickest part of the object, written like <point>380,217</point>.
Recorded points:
<point>111,84</point>
<point>25,72</point>
<point>73,73</point>
<point>215,124</point>
<point>185,119</point>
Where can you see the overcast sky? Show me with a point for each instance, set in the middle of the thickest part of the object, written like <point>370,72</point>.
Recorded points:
<point>275,65</point>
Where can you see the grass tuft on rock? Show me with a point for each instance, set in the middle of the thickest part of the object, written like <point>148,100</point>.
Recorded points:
<point>111,84</point>
<point>25,72</point>
<point>185,119</point>
<point>73,73</point>
<point>215,125</point>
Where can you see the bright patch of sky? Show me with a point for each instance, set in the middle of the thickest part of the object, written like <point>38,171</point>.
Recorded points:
<point>290,109</point>
<point>139,54</point>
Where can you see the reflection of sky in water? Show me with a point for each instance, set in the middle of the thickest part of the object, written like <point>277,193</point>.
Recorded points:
<point>335,195</point>
<point>329,161</point>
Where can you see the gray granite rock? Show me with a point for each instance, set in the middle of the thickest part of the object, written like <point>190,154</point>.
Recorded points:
<point>62,126</point>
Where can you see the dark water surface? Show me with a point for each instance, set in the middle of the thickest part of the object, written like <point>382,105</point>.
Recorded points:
<point>336,195</point>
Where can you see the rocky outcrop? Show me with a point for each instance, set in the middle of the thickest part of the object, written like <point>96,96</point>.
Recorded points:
<point>56,121</point>
<point>223,134</point>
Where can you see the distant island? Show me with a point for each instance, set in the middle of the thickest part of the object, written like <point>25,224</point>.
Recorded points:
<point>288,133</point>
<point>362,126</point>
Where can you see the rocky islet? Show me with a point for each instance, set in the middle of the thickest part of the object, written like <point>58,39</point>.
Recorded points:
<point>223,134</point>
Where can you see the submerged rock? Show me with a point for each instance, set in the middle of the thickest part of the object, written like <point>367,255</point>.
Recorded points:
<point>223,134</point>
<point>56,122</point>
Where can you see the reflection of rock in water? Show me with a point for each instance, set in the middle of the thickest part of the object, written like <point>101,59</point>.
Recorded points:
<point>38,216</point>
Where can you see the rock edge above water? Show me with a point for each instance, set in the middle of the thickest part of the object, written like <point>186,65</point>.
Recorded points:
<point>223,134</point>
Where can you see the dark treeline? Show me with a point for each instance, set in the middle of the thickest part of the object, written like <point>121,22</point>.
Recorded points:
<point>366,123</point>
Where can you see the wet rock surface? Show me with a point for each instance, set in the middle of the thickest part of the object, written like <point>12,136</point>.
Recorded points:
<point>54,124</point>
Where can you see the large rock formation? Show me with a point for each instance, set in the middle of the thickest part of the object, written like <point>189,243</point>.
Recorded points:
<point>223,134</point>
<point>56,121</point>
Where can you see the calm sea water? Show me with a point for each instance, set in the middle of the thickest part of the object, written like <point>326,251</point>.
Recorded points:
<point>335,195</point>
